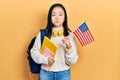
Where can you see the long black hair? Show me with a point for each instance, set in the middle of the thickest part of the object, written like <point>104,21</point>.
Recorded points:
<point>49,26</point>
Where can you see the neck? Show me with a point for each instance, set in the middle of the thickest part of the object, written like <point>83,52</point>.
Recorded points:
<point>58,27</point>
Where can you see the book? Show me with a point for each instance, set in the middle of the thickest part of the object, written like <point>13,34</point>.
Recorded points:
<point>47,53</point>
<point>48,49</point>
<point>49,45</point>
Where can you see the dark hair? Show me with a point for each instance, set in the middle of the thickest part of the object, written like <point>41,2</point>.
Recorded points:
<point>49,26</point>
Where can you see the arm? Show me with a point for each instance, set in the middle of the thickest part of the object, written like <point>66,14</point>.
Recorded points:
<point>35,52</point>
<point>71,54</point>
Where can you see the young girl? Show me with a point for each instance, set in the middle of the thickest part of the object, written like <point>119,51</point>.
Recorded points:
<point>58,32</point>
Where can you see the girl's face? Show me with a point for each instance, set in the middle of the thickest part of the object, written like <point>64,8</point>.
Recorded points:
<point>58,17</point>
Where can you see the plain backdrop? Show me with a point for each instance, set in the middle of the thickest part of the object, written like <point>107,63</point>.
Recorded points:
<point>21,20</point>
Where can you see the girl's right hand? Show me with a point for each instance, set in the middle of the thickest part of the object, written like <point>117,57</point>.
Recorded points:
<point>50,61</point>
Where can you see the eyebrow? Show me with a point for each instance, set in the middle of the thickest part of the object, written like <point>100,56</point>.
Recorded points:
<point>58,12</point>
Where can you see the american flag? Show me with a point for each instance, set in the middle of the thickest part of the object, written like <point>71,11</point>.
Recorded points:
<point>83,34</point>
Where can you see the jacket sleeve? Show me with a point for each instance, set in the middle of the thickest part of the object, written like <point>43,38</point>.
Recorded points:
<point>71,55</point>
<point>35,52</point>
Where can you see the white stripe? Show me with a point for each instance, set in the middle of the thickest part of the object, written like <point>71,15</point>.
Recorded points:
<point>81,35</point>
<point>79,38</point>
<point>84,38</point>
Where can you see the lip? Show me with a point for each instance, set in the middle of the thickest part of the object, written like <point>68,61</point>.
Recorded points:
<point>57,21</point>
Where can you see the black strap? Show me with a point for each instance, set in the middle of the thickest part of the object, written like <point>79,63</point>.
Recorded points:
<point>43,33</point>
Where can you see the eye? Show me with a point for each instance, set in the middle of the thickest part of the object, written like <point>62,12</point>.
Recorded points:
<point>53,14</point>
<point>60,14</point>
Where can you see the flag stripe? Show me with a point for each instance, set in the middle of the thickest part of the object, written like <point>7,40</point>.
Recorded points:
<point>79,38</point>
<point>90,36</point>
<point>83,37</point>
<point>88,39</point>
<point>92,39</point>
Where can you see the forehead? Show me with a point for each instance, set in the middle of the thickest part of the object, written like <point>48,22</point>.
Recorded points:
<point>58,10</point>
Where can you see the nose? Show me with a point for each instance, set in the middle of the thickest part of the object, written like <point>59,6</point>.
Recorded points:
<point>57,17</point>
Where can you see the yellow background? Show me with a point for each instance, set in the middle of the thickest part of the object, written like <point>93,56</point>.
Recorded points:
<point>20,20</point>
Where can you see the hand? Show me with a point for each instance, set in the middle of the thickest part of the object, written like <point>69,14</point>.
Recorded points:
<point>50,61</point>
<point>66,41</point>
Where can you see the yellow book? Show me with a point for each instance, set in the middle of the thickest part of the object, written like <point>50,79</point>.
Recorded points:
<point>48,44</point>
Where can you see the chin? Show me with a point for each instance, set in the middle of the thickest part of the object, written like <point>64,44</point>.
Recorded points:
<point>57,25</point>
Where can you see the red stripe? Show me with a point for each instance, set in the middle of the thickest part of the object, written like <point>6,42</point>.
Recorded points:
<point>82,38</point>
<point>77,37</point>
<point>88,39</point>
<point>90,36</point>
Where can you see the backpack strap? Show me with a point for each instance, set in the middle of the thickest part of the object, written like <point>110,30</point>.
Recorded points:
<point>43,33</point>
